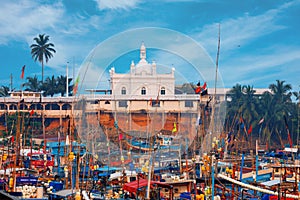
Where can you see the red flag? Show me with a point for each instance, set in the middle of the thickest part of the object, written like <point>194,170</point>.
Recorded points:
<point>241,119</point>
<point>31,112</point>
<point>204,89</point>
<point>150,103</point>
<point>198,90</point>
<point>23,70</point>
<point>121,136</point>
<point>12,139</point>
<point>201,89</point>
<point>250,129</point>
<point>204,86</point>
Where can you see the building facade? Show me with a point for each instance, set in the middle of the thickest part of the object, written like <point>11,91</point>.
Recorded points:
<point>142,80</point>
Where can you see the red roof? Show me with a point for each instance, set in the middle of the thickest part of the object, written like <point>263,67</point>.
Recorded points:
<point>134,185</point>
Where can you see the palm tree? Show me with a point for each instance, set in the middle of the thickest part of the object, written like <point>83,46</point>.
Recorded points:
<point>297,95</point>
<point>234,104</point>
<point>274,107</point>
<point>42,50</point>
<point>50,86</point>
<point>62,83</point>
<point>282,92</point>
<point>4,91</point>
<point>32,84</point>
<point>249,104</point>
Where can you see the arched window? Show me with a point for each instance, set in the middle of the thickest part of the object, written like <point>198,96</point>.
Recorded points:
<point>143,91</point>
<point>163,91</point>
<point>123,91</point>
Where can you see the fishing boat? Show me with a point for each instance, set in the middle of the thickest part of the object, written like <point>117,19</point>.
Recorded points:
<point>158,142</point>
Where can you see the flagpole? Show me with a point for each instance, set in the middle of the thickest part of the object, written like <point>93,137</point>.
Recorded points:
<point>11,82</point>
<point>67,81</point>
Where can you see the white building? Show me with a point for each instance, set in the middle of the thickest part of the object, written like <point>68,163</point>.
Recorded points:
<point>142,81</point>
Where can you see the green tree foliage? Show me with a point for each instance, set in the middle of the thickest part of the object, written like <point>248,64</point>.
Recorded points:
<point>271,106</point>
<point>42,50</point>
<point>50,87</point>
<point>4,91</point>
<point>32,84</point>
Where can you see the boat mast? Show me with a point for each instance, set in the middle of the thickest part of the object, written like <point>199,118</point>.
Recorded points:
<point>212,120</point>
<point>215,88</point>
<point>17,147</point>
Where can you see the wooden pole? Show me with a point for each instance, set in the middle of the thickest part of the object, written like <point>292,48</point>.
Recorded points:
<point>17,148</point>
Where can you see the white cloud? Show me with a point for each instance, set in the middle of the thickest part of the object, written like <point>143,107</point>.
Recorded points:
<point>116,4</point>
<point>241,30</point>
<point>175,1</point>
<point>22,18</point>
<point>252,67</point>
<point>279,63</point>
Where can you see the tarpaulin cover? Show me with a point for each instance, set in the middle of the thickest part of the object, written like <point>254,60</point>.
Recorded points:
<point>134,185</point>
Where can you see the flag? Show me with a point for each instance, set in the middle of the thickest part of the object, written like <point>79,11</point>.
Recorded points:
<point>12,139</point>
<point>120,136</point>
<point>31,112</point>
<point>116,124</point>
<point>204,89</point>
<point>242,124</point>
<point>261,121</point>
<point>198,88</point>
<point>67,140</point>
<point>174,128</point>
<point>250,129</point>
<point>150,102</point>
<point>75,87</point>
<point>23,70</point>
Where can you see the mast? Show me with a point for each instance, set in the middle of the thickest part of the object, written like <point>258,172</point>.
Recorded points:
<point>17,147</point>
<point>215,88</point>
<point>212,120</point>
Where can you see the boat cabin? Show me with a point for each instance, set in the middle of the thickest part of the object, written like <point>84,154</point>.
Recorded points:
<point>41,160</point>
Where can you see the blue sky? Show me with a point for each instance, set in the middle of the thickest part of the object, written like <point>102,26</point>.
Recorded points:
<point>259,39</point>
